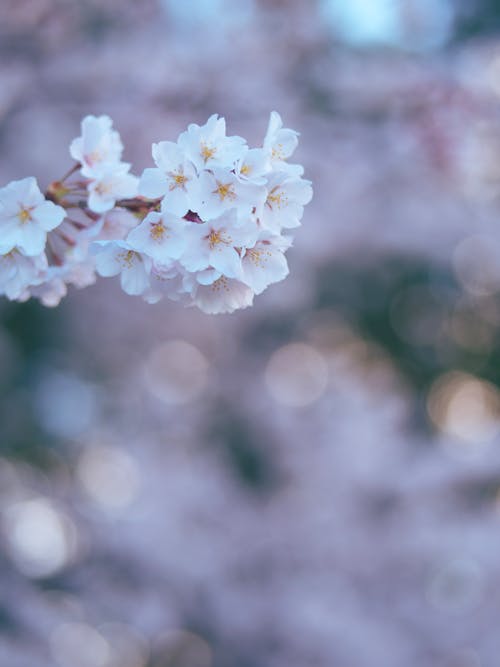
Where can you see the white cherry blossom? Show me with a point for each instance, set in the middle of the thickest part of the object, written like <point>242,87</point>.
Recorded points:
<point>253,166</point>
<point>113,183</point>
<point>216,244</point>
<point>114,258</point>
<point>207,146</point>
<point>284,205</point>
<point>215,293</point>
<point>168,279</point>
<point>265,263</point>
<point>162,236</point>
<point>18,272</point>
<point>97,147</point>
<point>220,190</point>
<point>26,217</point>
<point>279,142</point>
<point>173,178</point>
<point>202,227</point>
<point>114,225</point>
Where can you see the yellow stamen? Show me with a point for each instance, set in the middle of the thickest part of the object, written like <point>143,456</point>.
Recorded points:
<point>220,284</point>
<point>277,152</point>
<point>207,152</point>
<point>254,256</point>
<point>245,170</point>
<point>127,258</point>
<point>225,191</point>
<point>24,215</point>
<point>177,180</point>
<point>276,197</point>
<point>157,230</point>
<point>215,238</point>
<point>258,256</point>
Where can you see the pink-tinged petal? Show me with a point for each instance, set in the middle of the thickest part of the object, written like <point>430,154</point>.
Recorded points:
<point>76,149</point>
<point>207,277</point>
<point>31,239</point>
<point>125,186</point>
<point>275,124</point>
<point>175,245</point>
<point>94,129</point>
<point>195,261</point>
<point>167,155</point>
<point>48,215</point>
<point>107,261</point>
<point>299,191</point>
<point>177,202</point>
<point>24,192</point>
<point>100,203</point>
<point>134,279</point>
<point>9,233</point>
<point>153,183</point>
<point>28,192</point>
<point>223,296</point>
<point>285,144</point>
<point>9,206</point>
<point>263,266</point>
<point>226,260</point>
<point>160,237</point>
<point>140,237</point>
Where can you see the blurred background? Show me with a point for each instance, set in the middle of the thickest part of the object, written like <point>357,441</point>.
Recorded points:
<point>315,481</point>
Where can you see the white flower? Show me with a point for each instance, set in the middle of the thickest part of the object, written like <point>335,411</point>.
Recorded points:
<point>161,236</point>
<point>173,178</point>
<point>279,142</point>
<point>114,225</point>
<point>18,272</point>
<point>113,183</point>
<point>114,258</point>
<point>253,166</point>
<point>220,190</point>
<point>215,293</point>
<point>52,289</point>
<point>97,147</point>
<point>286,197</point>
<point>265,263</point>
<point>214,244</point>
<point>167,279</point>
<point>207,146</point>
<point>26,217</point>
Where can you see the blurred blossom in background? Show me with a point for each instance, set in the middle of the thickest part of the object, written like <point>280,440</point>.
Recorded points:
<point>314,481</point>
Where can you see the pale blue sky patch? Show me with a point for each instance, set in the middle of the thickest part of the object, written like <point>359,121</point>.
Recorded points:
<point>416,25</point>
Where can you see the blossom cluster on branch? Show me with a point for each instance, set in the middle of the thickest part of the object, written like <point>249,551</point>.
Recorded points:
<point>207,225</point>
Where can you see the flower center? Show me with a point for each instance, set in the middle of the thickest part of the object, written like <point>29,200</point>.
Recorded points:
<point>103,188</point>
<point>215,238</point>
<point>277,152</point>
<point>127,258</point>
<point>219,285</point>
<point>177,179</point>
<point>254,255</point>
<point>245,169</point>
<point>225,191</point>
<point>207,152</point>
<point>93,157</point>
<point>24,215</point>
<point>157,230</point>
<point>276,198</point>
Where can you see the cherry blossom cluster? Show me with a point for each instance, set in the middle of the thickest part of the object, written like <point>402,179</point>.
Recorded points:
<point>207,225</point>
